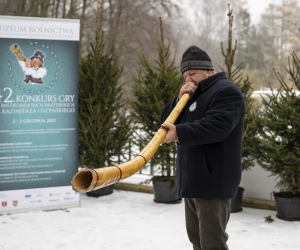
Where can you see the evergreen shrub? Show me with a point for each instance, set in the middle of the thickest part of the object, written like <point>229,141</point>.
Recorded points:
<point>277,141</point>
<point>104,128</point>
<point>234,75</point>
<point>155,85</point>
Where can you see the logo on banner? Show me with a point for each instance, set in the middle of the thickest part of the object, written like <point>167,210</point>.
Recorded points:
<point>40,195</point>
<point>27,196</point>
<point>193,106</point>
<point>68,193</point>
<point>4,203</point>
<point>54,194</point>
<point>33,67</point>
<point>68,198</point>
<point>15,203</point>
<point>54,200</point>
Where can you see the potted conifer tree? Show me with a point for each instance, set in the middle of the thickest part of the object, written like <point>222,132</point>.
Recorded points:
<point>235,75</point>
<point>104,128</point>
<point>277,142</point>
<point>154,86</point>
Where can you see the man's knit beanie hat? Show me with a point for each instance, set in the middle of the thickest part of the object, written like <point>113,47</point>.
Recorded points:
<point>195,58</point>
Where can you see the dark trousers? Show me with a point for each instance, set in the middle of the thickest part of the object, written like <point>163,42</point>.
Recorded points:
<point>206,221</point>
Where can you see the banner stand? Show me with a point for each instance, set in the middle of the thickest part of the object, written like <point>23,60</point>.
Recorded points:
<point>38,113</point>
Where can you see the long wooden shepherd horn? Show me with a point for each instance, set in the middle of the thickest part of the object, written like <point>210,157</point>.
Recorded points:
<point>88,180</point>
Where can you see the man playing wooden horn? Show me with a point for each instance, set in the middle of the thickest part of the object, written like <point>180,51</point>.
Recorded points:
<point>34,70</point>
<point>209,138</point>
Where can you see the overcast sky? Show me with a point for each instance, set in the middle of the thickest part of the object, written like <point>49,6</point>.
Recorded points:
<point>257,7</point>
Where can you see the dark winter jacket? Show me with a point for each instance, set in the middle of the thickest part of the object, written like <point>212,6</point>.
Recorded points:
<point>210,131</point>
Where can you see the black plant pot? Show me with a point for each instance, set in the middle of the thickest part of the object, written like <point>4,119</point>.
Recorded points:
<point>163,192</point>
<point>236,202</point>
<point>100,192</point>
<point>287,207</point>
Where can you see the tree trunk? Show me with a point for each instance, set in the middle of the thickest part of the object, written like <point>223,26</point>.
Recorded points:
<point>56,8</point>
<point>82,20</point>
<point>64,9</point>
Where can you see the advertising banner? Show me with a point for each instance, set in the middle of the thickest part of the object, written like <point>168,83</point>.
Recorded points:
<point>38,112</point>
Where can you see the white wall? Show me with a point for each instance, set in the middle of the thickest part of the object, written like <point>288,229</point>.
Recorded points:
<point>257,184</point>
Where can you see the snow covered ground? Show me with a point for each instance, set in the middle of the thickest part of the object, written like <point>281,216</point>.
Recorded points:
<point>132,221</point>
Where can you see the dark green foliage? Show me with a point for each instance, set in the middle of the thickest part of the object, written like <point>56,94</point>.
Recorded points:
<point>248,130</point>
<point>277,143</point>
<point>235,76</point>
<point>103,127</point>
<point>268,219</point>
<point>155,86</point>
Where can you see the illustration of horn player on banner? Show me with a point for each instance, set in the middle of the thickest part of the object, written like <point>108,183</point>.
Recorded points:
<point>38,113</point>
<point>33,69</point>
